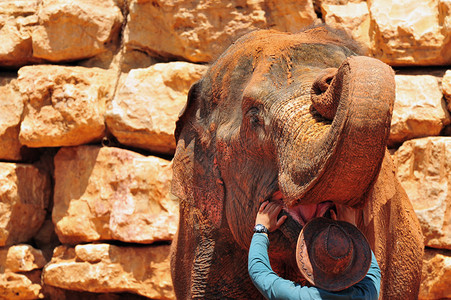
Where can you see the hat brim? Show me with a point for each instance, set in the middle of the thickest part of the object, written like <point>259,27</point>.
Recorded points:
<point>332,282</point>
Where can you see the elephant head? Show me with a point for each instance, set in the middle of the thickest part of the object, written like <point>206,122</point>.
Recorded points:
<point>297,117</point>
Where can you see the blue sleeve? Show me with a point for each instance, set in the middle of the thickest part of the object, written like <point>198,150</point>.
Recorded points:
<point>266,280</point>
<point>274,287</point>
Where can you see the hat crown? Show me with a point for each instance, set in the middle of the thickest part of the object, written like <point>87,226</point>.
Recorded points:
<point>333,249</point>
<point>332,255</point>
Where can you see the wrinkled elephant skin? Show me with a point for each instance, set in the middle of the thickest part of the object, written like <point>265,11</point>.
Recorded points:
<point>300,118</point>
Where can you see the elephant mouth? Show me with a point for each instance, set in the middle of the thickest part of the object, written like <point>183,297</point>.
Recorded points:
<point>303,213</point>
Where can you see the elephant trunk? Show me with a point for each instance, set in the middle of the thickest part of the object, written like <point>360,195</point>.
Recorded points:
<point>338,161</point>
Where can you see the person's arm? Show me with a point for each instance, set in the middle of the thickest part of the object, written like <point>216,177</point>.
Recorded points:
<point>270,285</point>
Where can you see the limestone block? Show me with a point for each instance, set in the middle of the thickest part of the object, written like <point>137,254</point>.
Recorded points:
<point>337,2</point>
<point>446,87</point>
<point>19,7</point>
<point>411,32</point>
<point>199,31</point>
<point>21,258</point>
<point>11,108</point>
<point>54,293</point>
<point>19,286</point>
<point>419,108</point>
<point>64,106</point>
<point>318,4</point>
<point>73,30</point>
<point>17,20</point>
<point>288,15</point>
<point>436,278</point>
<point>24,197</point>
<point>104,268</point>
<point>424,170</point>
<point>104,193</point>
<point>145,109</point>
<point>353,18</point>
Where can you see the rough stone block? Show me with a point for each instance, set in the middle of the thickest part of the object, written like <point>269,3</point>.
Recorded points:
<point>148,102</point>
<point>104,193</point>
<point>21,258</point>
<point>104,268</point>
<point>411,32</point>
<point>73,30</point>
<point>17,21</point>
<point>446,87</point>
<point>24,198</point>
<point>11,109</point>
<point>353,18</point>
<point>436,278</point>
<point>18,286</point>
<point>199,31</point>
<point>64,106</point>
<point>419,108</point>
<point>424,170</point>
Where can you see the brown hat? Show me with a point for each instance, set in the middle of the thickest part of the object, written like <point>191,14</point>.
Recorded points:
<point>332,255</point>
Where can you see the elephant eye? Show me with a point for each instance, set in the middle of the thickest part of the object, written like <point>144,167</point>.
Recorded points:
<point>254,116</point>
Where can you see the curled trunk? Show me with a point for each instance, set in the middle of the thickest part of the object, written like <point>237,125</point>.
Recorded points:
<point>342,161</point>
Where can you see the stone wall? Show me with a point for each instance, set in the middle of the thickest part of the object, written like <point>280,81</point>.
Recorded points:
<point>89,94</point>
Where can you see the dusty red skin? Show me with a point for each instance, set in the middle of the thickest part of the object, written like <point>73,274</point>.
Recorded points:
<point>301,119</point>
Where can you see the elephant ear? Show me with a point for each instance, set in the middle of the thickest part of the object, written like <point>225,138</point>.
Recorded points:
<point>196,179</point>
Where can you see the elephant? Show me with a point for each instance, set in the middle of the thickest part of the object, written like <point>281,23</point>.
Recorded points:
<point>301,117</point>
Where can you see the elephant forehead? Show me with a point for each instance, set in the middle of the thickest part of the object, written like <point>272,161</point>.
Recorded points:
<point>272,42</point>
<point>264,61</point>
<point>268,46</point>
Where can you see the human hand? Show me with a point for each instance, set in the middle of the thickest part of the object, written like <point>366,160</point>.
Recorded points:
<point>267,216</point>
<point>345,213</point>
